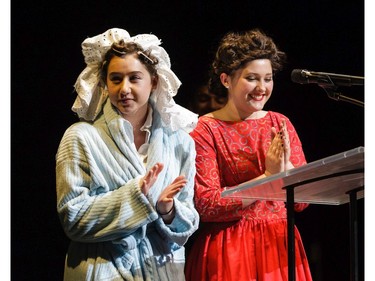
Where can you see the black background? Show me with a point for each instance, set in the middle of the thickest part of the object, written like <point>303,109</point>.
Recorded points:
<point>46,59</point>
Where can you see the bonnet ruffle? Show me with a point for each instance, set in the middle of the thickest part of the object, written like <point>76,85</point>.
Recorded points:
<point>92,92</point>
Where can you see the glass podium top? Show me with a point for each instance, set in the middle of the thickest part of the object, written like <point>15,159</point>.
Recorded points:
<point>325,181</point>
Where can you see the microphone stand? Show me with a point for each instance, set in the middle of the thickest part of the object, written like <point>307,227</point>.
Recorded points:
<point>331,92</point>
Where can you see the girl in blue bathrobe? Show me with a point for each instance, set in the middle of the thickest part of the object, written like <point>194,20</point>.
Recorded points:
<point>125,171</point>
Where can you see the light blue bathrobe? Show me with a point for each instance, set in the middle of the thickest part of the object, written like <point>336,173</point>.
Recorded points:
<point>115,231</point>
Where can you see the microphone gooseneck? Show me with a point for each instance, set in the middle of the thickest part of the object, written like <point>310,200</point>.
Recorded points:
<point>329,82</point>
<point>324,79</point>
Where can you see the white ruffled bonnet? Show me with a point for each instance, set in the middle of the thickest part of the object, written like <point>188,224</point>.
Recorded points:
<point>92,92</point>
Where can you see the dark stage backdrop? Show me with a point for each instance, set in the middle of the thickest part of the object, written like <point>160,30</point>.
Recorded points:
<point>46,36</point>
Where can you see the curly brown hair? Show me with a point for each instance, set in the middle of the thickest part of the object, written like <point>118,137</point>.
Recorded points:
<point>237,49</point>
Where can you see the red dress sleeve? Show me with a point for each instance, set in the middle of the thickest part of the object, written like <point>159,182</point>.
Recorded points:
<point>208,201</point>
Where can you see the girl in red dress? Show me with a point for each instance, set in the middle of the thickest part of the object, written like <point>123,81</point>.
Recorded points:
<point>243,239</point>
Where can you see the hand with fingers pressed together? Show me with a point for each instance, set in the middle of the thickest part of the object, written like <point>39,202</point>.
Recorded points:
<point>278,154</point>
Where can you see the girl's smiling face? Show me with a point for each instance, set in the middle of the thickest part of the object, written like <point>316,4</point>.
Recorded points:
<point>250,87</point>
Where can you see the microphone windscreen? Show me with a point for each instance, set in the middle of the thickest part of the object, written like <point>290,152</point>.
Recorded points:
<point>297,76</point>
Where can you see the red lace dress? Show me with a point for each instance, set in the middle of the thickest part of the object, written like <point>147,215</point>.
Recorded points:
<point>236,243</point>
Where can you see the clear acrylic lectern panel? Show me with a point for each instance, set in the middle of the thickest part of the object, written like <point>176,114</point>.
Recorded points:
<point>325,181</point>
<point>334,180</point>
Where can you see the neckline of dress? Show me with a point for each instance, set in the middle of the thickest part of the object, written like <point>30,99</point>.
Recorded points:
<point>264,114</point>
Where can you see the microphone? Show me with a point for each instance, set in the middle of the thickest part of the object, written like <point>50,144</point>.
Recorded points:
<point>323,79</point>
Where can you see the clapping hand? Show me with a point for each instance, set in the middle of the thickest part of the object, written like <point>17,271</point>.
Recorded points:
<point>150,178</point>
<point>278,154</point>
<point>165,201</point>
<point>164,204</point>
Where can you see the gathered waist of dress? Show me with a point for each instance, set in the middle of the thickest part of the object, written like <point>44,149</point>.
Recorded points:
<point>216,227</point>
<point>265,210</point>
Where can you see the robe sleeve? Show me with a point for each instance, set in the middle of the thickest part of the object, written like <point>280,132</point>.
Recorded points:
<point>88,215</point>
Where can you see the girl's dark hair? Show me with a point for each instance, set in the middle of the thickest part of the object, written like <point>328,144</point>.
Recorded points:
<point>122,49</point>
<point>237,49</point>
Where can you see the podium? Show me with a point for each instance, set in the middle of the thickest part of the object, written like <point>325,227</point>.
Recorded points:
<point>335,180</point>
